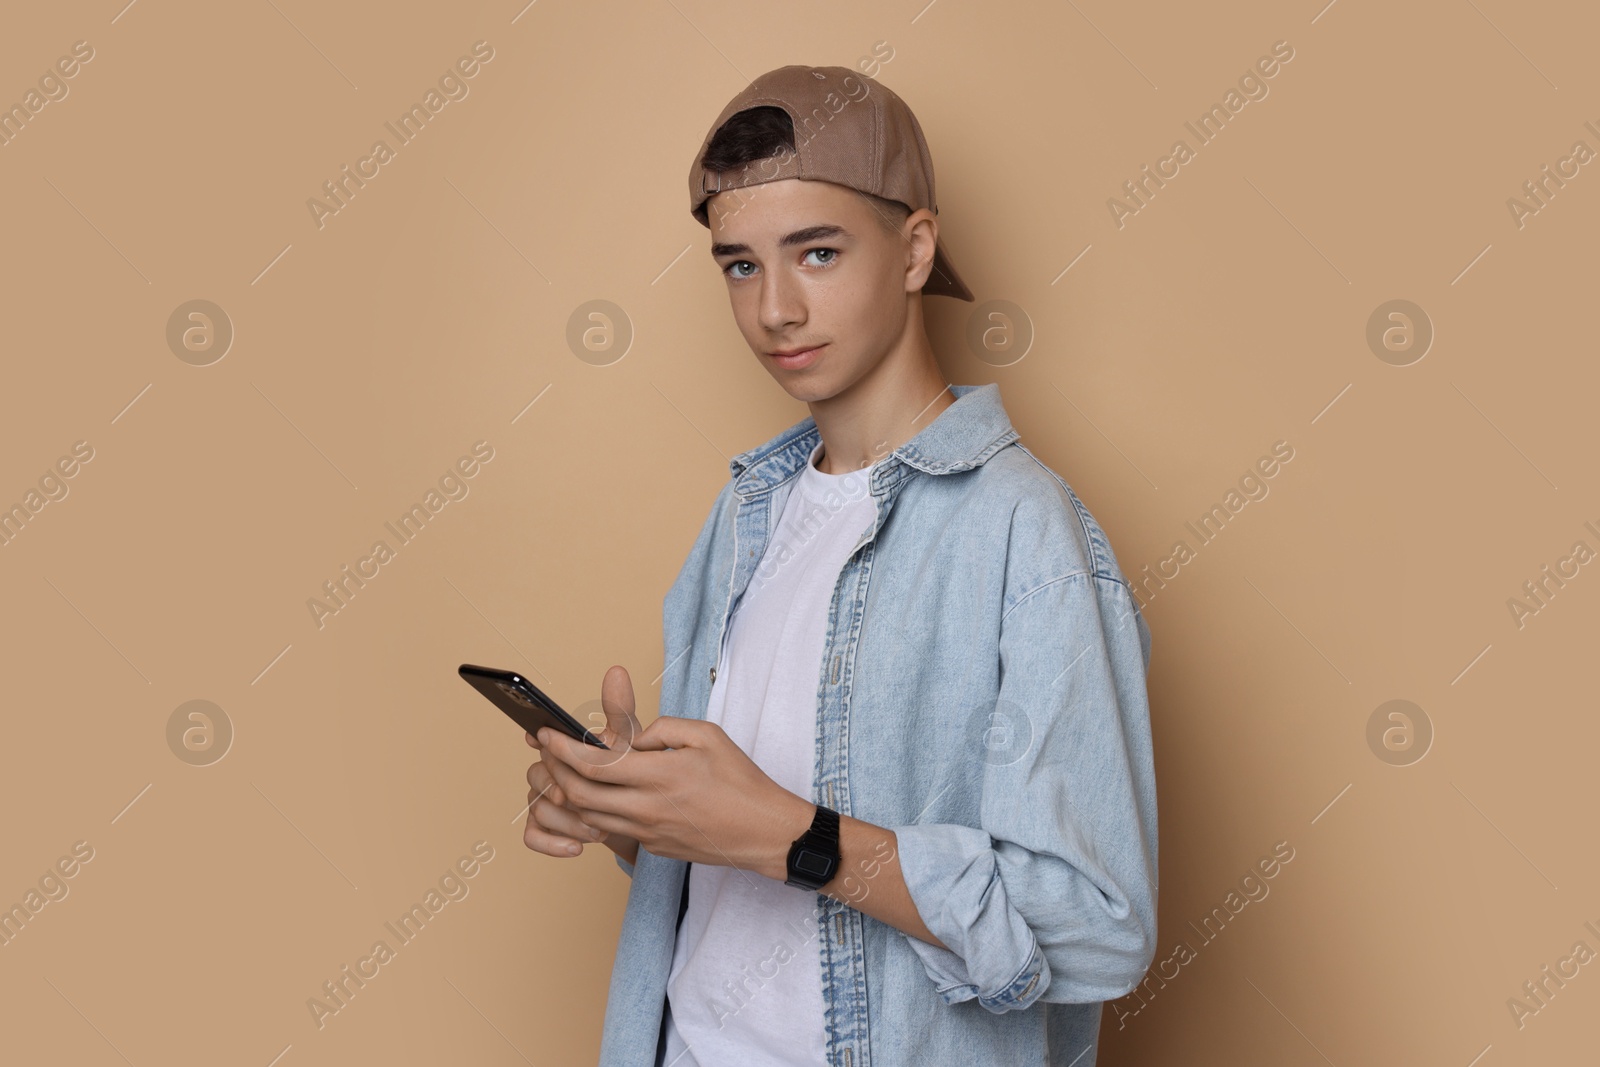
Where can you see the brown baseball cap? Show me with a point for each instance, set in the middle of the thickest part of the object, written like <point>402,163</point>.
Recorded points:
<point>850,130</point>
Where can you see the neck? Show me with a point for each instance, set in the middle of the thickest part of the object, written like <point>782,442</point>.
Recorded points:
<point>885,408</point>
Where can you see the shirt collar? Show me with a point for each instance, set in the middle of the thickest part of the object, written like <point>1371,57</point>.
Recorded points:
<point>963,436</point>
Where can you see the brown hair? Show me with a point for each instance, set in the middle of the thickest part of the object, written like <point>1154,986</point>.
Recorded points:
<point>763,132</point>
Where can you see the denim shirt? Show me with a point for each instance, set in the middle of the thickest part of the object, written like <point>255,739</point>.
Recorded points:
<point>982,694</point>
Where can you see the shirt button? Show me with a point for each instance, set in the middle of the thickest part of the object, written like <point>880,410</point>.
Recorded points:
<point>713,674</point>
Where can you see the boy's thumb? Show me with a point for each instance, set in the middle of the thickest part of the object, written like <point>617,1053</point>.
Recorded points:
<point>616,697</point>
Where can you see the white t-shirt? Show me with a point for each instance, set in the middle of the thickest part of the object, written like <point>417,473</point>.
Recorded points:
<point>746,979</point>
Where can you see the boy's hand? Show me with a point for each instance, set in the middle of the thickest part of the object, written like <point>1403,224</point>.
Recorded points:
<point>682,789</point>
<point>554,826</point>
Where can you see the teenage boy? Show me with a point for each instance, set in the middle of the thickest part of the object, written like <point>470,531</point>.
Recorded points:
<point>899,806</point>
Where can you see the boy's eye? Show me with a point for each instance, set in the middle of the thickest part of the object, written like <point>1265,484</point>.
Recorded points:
<point>733,270</point>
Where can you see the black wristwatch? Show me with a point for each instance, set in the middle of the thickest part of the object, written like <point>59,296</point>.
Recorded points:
<point>814,856</point>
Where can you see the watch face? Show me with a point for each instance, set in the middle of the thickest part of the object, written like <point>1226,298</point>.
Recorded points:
<point>812,863</point>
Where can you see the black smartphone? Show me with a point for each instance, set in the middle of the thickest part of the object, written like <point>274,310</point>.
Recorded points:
<point>524,703</point>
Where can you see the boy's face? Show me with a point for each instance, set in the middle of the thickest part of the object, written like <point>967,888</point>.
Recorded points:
<point>808,264</point>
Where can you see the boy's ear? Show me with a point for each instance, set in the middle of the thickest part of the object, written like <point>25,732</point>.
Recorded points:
<point>921,231</point>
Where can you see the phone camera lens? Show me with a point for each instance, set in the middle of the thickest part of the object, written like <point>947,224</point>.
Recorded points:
<point>514,694</point>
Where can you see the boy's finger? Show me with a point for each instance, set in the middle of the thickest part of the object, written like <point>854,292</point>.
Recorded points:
<point>541,840</point>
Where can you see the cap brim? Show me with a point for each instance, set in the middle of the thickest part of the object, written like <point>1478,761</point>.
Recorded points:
<point>943,279</point>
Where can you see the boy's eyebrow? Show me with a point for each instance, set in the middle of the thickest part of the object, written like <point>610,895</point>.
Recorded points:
<point>798,237</point>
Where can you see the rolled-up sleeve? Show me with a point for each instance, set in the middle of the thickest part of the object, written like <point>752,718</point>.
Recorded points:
<point>1053,895</point>
<point>627,868</point>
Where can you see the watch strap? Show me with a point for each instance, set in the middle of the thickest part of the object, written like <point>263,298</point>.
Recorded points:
<point>820,839</point>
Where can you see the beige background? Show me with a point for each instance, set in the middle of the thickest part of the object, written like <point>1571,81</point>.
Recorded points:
<point>431,312</point>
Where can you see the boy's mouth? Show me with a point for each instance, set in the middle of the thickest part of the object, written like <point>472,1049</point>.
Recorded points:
<point>796,357</point>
